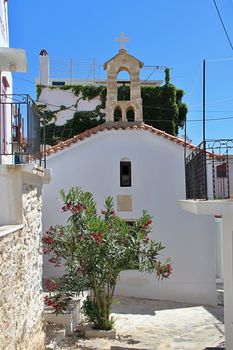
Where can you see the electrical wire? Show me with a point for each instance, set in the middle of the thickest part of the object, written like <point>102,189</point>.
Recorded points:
<point>224,28</point>
<point>28,81</point>
<point>190,120</point>
<point>152,107</point>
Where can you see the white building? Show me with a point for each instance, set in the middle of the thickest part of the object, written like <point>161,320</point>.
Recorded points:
<point>11,60</point>
<point>141,168</point>
<point>53,96</point>
<point>21,315</point>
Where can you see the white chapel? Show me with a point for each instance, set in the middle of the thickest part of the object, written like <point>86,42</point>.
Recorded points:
<point>142,168</point>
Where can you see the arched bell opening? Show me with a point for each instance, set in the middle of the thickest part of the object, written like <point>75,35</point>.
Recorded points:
<point>117,114</point>
<point>123,85</point>
<point>130,115</point>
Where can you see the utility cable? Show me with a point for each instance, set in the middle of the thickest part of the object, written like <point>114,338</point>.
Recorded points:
<point>224,28</point>
<point>152,107</point>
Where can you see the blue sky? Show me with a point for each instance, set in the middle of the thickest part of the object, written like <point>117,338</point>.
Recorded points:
<point>174,33</point>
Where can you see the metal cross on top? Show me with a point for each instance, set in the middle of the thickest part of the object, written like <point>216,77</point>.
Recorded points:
<point>122,40</point>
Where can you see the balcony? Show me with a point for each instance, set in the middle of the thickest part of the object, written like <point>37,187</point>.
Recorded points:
<point>209,170</point>
<point>21,131</point>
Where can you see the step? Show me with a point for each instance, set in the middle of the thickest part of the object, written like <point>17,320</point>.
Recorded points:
<point>54,335</point>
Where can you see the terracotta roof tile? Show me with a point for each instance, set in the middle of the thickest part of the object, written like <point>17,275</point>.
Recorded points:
<point>116,126</point>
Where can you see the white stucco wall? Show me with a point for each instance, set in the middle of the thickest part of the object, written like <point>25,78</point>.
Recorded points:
<point>5,140</point>
<point>157,185</point>
<point>231,174</point>
<point>54,98</point>
<point>10,183</point>
<point>4,33</point>
<point>5,126</point>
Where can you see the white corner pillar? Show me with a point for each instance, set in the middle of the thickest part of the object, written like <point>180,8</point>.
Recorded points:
<point>219,260</point>
<point>12,179</point>
<point>227,244</point>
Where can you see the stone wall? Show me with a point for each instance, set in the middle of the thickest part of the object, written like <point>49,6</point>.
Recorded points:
<point>21,301</point>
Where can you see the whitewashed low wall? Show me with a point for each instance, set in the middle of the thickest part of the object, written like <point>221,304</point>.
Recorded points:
<point>142,285</point>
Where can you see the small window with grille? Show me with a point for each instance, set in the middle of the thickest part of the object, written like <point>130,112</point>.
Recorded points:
<point>221,170</point>
<point>125,174</point>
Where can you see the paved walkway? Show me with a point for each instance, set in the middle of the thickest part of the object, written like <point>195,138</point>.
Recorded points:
<point>163,325</point>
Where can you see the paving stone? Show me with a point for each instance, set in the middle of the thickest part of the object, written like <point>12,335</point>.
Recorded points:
<point>158,325</point>
<point>125,348</point>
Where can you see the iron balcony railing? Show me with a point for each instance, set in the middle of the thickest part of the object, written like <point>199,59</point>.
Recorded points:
<point>22,130</point>
<point>209,170</point>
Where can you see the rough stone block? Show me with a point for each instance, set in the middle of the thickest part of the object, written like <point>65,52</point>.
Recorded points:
<point>98,333</point>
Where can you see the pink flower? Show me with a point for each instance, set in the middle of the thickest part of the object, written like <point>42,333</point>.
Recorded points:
<point>169,269</point>
<point>46,250</point>
<point>55,305</point>
<point>48,240</point>
<point>76,208</point>
<point>48,301</point>
<point>164,271</point>
<point>66,207</point>
<point>51,285</point>
<point>97,237</point>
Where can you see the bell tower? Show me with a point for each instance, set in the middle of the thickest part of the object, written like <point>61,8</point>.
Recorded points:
<point>129,110</point>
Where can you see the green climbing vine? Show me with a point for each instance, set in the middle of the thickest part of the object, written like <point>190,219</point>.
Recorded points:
<point>80,122</point>
<point>162,108</point>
